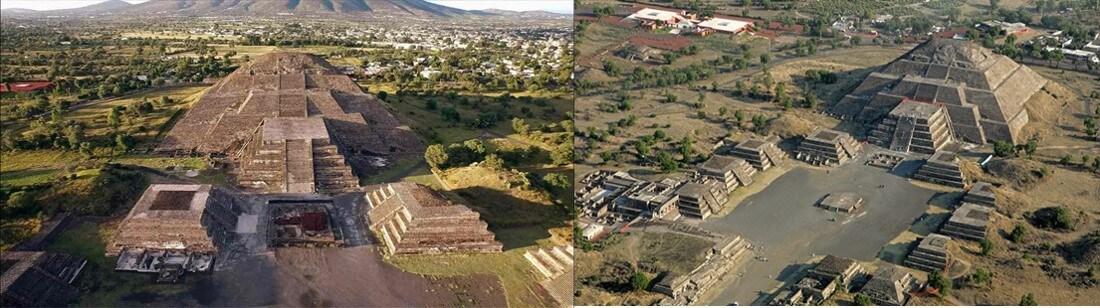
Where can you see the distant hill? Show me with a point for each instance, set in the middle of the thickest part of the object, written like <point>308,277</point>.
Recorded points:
<point>525,14</point>
<point>319,8</point>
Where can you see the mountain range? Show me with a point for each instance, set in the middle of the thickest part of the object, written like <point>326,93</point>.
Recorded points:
<point>312,8</point>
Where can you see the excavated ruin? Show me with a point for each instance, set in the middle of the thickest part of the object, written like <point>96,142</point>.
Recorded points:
<point>984,93</point>
<point>290,121</point>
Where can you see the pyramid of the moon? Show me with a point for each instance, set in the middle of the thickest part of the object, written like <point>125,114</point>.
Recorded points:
<point>984,93</point>
<point>290,121</point>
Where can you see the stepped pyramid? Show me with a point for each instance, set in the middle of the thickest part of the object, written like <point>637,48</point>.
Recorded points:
<point>556,265</point>
<point>943,169</point>
<point>761,154</point>
<point>827,147</point>
<point>290,121</point>
<point>728,170</point>
<point>410,219</point>
<point>983,93</point>
<point>931,254</point>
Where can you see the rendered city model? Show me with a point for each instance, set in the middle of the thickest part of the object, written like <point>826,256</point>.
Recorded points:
<point>870,152</point>
<point>286,153</point>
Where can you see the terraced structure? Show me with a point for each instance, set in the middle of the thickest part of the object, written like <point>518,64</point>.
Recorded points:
<point>984,93</point>
<point>290,122</point>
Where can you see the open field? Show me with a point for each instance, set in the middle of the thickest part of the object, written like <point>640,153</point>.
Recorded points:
<point>517,276</point>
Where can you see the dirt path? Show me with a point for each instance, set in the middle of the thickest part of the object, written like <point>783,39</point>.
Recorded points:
<point>358,277</point>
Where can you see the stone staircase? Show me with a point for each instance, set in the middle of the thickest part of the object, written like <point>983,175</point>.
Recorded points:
<point>551,261</point>
<point>331,171</point>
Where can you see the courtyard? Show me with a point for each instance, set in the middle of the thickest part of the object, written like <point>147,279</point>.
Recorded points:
<point>789,230</point>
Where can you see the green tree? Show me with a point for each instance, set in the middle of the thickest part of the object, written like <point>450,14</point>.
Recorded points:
<point>563,153</point>
<point>520,126</point>
<point>21,201</point>
<point>1017,234</point>
<point>556,180</point>
<point>436,156</point>
<point>937,280</point>
<point>1028,300</point>
<point>492,161</point>
<point>382,95</point>
<point>639,281</point>
<point>987,246</point>
<point>863,300</point>
<point>125,142</point>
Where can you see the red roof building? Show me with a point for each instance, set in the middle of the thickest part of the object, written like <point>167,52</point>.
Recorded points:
<point>25,86</point>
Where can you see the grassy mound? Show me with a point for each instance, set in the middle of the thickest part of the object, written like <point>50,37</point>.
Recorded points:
<point>1018,173</point>
<point>787,126</point>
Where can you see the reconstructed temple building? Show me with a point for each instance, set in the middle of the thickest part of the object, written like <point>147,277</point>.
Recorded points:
<point>827,147</point>
<point>411,219</point>
<point>175,229</point>
<point>648,199</point>
<point>931,254</point>
<point>293,123</point>
<point>983,93</point>
<point>943,169</point>
<point>842,202</point>
<point>761,154</point>
<point>728,170</point>
<point>914,126</point>
<point>968,222</point>
<point>38,279</point>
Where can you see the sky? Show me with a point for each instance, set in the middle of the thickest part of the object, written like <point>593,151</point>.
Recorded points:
<point>556,6</point>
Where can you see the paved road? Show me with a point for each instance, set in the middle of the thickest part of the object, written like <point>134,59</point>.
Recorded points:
<point>791,230</point>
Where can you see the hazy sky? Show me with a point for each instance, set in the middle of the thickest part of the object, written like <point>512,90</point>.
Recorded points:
<point>557,6</point>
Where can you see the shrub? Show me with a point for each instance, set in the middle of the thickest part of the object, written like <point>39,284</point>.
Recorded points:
<point>639,281</point>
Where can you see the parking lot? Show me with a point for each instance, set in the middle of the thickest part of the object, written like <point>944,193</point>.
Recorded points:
<point>783,219</point>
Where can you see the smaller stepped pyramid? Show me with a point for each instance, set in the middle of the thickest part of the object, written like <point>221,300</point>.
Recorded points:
<point>827,147</point>
<point>931,254</point>
<point>969,222</point>
<point>761,154</point>
<point>981,193</point>
<point>728,170</point>
<point>412,219</point>
<point>943,169</point>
